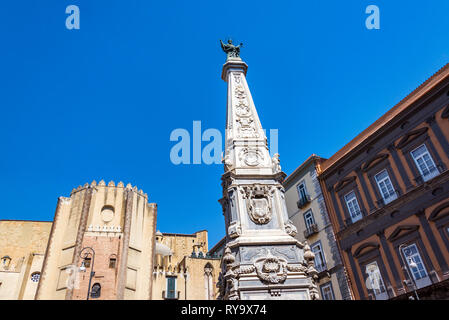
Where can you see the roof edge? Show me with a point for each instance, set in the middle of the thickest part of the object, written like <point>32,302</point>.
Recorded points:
<point>391,114</point>
<point>312,158</point>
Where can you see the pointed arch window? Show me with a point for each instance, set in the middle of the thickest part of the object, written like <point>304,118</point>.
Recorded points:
<point>208,281</point>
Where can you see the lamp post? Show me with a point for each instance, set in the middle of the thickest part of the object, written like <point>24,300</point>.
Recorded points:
<point>185,284</point>
<point>83,267</point>
<point>412,264</point>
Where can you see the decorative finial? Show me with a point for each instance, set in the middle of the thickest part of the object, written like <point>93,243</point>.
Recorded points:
<point>231,50</point>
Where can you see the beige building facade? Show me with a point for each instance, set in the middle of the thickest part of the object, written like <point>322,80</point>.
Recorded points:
<point>184,269</point>
<point>22,250</point>
<point>307,211</point>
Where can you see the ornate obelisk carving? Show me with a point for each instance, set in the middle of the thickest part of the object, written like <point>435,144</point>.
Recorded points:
<point>262,259</point>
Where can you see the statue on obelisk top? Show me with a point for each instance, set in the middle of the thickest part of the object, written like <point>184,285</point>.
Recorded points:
<point>231,50</point>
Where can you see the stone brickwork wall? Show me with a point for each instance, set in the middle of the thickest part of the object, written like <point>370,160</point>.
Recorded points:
<point>105,249</point>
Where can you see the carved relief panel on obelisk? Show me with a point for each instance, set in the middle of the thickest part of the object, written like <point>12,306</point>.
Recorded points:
<point>262,259</point>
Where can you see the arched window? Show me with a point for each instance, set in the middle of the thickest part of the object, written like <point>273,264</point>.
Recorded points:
<point>6,260</point>
<point>96,291</point>
<point>35,276</point>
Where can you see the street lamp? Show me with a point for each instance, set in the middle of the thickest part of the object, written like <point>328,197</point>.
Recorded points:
<point>83,266</point>
<point>411,264</point>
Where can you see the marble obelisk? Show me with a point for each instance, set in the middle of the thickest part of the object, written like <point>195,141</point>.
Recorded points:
<point>262,259</point>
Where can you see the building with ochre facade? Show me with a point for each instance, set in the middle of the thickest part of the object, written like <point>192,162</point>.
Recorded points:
<point>387,192</point>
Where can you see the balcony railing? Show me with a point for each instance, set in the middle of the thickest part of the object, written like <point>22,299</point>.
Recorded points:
<point>303,200</point>
<point>171,295</point>
<point>384,201</point>
<point>359,216</point>
<point>311,230</point>
<point>321,267</point>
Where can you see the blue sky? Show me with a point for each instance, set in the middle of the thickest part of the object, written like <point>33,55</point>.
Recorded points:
<point>101,102</point>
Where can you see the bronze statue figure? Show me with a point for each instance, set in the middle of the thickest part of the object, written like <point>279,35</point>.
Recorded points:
<point>231,50</point>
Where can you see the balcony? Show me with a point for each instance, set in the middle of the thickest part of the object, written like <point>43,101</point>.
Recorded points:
<point>311,230</point>
<point>322,270</point>
<point>303,201</point>
<point>357,216</point>
<point>384,201</point>
<point>171,295</point>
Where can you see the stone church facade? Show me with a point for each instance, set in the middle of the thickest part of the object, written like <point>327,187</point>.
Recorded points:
<point>108,230</point>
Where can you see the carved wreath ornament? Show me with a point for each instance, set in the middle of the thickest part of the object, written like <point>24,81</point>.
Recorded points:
<point>251,156</point>
<point>271,269</point>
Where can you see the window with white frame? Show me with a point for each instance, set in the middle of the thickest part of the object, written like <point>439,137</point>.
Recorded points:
<point>353,206</point>
<point>385,186</point>
<point>327,293</point>
<point>375,280</point>
<point>415,262</point>
<point>309,219</point>
<point>320,261</point>
<point>425,163</point>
